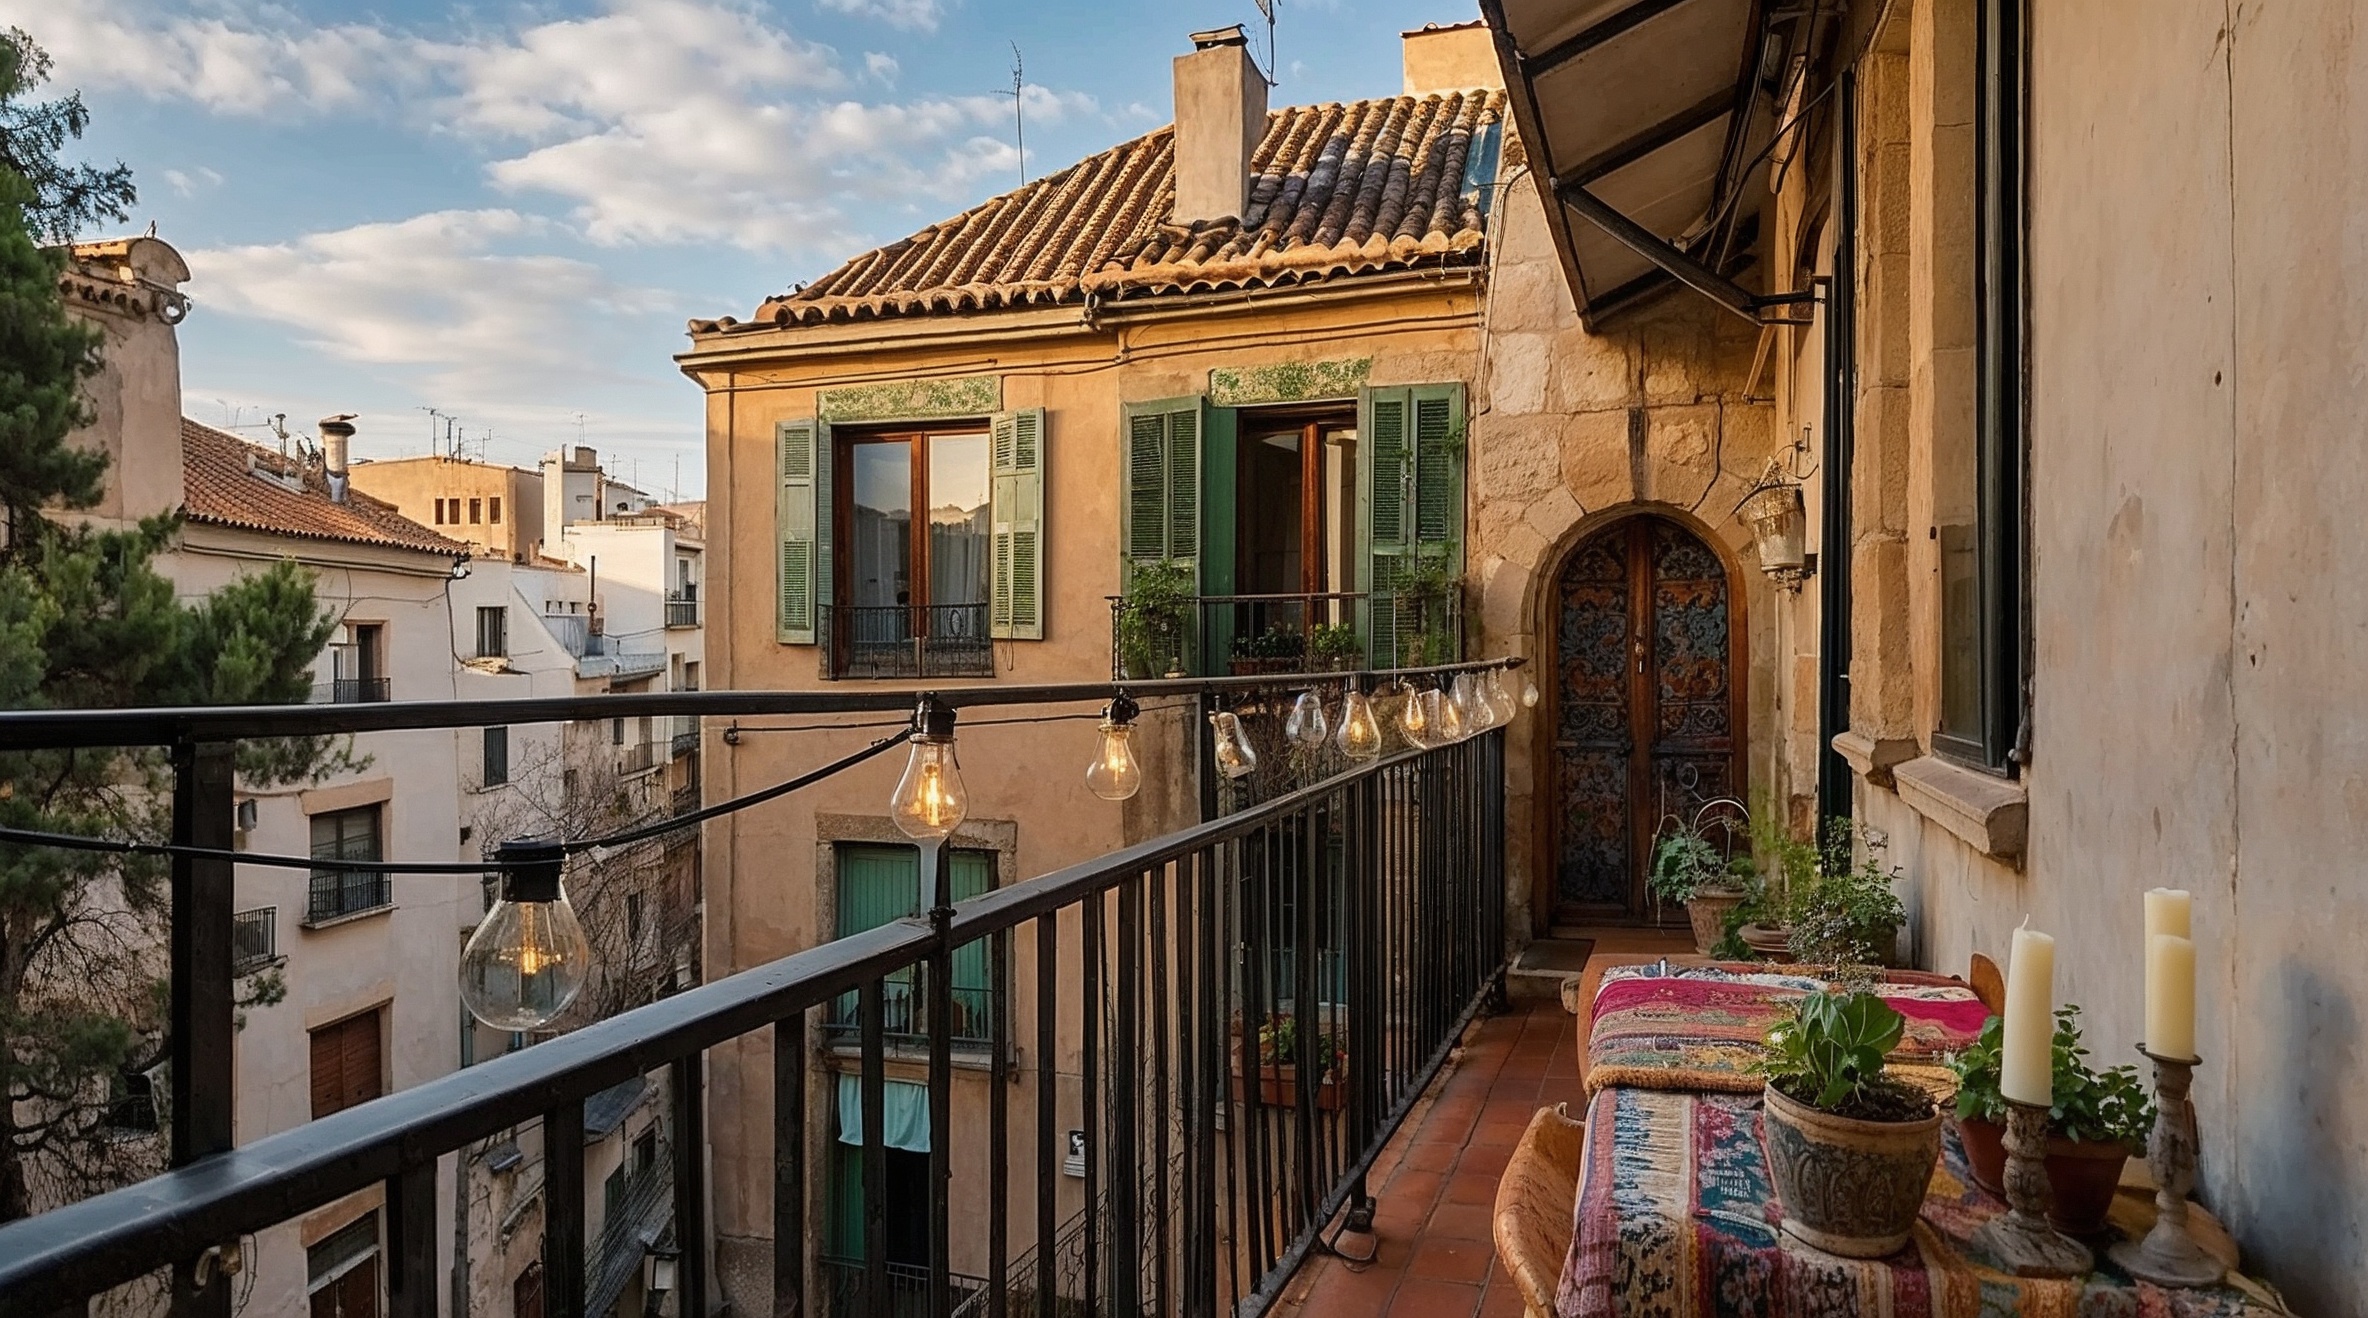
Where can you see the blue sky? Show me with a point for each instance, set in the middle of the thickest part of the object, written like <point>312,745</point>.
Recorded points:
<point>507,211</point>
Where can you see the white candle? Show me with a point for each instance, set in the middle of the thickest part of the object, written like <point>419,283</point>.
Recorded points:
<point>2026,1073</point>
<point>2170,996</point>
<point>2167,911</point>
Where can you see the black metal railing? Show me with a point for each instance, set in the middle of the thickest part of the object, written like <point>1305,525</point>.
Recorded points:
<point>336,892</point>
<point>254,939</point>
<point>905,998</point>
<point>1176,1002</point>
<point>640,757</point>
<point>1250,635</point>
<point>681,612</point>
<point>905,640</point>
<point>908,1289</point>
<point>353,691</point>
<point>686,737</point>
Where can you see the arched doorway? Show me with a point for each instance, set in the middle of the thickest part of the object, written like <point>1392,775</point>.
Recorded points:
<point>1646,711</point>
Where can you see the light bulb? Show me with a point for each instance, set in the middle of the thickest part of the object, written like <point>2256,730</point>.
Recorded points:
<point>1306,724</point>
<point>1231,745</point>
<point>1500,698</point>
<point>529,956</point>
<point>929,802</point>
<point>1446,718</point>
<point>1470,708</point>
<point>1360,731</point>
<point>1414,720</point>
<point>1114,775</point>
<point>1529,693</point>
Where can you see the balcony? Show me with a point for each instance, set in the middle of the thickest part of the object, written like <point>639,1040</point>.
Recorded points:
<point>336,894</point>
<point>638,758</point>
<point>1247,635</point>
<point>682,611</point>
<point>254,940</point>
<point>1231,1021</point>
<point>686,737</point>
<point>353,691</point>
<point>910,641</point>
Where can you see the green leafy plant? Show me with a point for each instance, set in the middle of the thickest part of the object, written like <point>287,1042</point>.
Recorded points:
<point>2108,1106</point>
<point>1428,594</point>
<point>1334,643</point>
<point>1692,856</point>
<point>1152,616</point>
<point>1276,642</point>
<point>1828,1053</point>
<point>1278,1045</point>
<point>1846,914</point>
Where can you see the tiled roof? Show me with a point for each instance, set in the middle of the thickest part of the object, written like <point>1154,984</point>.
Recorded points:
<point>229,482</point>
<point>1336,190</point>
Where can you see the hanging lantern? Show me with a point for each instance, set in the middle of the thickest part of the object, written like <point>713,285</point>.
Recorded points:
<point>1500,698</point>
<point>1113,774</point>
<point>1306,726</point>
<point>1415,723</point>
<point>929,802</point>
<point>529,956</point>
<point>1529,693</point>
<point>1445,717</point>
<point>1779,523</point>
<point>1230,743</point>
<point>1360,732</point>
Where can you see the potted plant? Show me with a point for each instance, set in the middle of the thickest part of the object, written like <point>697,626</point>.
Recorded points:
<point>1787,866</point>
<point>1696,865</point>
<point>1851,1148</point>
<point>1334,646</point>
<point>1279,1060</point>
<point>1275,650</point>
<point>2098,1121</point>
<point>1847,914</point>
<point>1152,617</point>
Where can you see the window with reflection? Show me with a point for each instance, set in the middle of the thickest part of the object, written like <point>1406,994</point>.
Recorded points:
<point>913,517</point>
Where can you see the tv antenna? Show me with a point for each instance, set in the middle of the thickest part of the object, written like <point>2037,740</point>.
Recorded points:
<point>1019,121</point>
<point>1273,70</point>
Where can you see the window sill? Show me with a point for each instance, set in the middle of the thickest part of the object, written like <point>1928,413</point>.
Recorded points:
<point>1874,758</point>
<point>966,1054</point>
<point>1991,815</point>
<point>332,921</point>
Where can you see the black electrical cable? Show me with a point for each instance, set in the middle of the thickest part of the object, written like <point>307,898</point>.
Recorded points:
<point>76,842</point>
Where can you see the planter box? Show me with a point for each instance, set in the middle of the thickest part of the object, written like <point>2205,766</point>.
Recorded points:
<point>1278,1086</point>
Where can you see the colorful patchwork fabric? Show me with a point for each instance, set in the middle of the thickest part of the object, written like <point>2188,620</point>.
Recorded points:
<point>1699,1028</point>
<point>1677,1218</point>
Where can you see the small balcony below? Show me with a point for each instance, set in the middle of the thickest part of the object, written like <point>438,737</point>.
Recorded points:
<point>682,611</point>
<point>639,758</point>
<point>353,691</point>
<point>1247,635</point>
<point>905,641</point>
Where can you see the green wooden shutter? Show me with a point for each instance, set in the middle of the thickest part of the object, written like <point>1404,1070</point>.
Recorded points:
<point>1160,508</point>
<point>798,517</point>
<point>1018,518</point>
<point>1410,505</point>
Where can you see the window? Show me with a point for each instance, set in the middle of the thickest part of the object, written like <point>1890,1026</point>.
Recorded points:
<point>357,663</point>
<point>880,882</point>
<point>341,1272</point>
<point>497,756</point>
<point>345,1064</point>
<point>346,835</point>
<point>493,510</point>
<point>439,512</point>
<point>131,1102</point>
<point>616,732</point>
<point>633,916</point>
<point>476,511</point>
<point>612,1194</point>
<point>1978,491</point>
<point>526,1293</point>
<point>493,631</point>
<point>645,1151</point>
<point>939,535</point>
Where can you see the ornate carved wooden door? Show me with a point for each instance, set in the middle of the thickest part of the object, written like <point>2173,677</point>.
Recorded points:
<point>1648,709</point>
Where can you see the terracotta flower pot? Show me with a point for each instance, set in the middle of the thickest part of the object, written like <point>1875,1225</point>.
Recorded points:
<point>1848,1187</point>
<point>1707,910</point>
<point>2082,1175</point>
<point>1771,941</point>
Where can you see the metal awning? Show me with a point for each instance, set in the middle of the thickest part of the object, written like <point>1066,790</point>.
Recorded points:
<point>1644,121</point>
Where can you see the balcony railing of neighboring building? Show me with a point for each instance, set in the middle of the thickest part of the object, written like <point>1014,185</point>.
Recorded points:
<point>573,631</point>
<point>353,691</point>
<point>682,611</point>
<point>905,641</point>
<point>627,1231</point>
<point>1239,635</point>
<point>336,893</point>
<point>254,939</point>
<point>907,1289</point>
<point>640,757</point>
<point>1290,977</point>
<point>686,737</point>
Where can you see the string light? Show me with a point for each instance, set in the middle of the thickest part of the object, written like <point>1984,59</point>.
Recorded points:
<point>1360,732</point>
<point>527,960</point>
<point>1529,693</point>
<point>929,802</point>
<point>1415,721</point>
<point>1471,710</point>
<point>1113,775</point>
<point>1235,756</point>
<point>1306,725</point>
<point>1446,717</point>
<point>1500,698</point>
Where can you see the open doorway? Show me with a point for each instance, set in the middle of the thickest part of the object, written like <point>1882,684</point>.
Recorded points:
<point>1295,523</point>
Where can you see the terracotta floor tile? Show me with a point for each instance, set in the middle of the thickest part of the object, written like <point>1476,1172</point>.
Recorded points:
<point>1432,1156</point>
<point>1442,1259</point>
<point>1435,1299</point>
<point>1462,1222</point>
<point>1472,1188</point>
<point>1502,1299</point>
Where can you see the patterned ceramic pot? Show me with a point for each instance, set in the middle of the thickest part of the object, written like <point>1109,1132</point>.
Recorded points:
<point>1849,1187</point>
<point>1707,910</point>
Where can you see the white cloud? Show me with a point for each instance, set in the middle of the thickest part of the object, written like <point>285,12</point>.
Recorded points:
<point>652,121</point>
<point>910,15</point>
<point>458,296</point>
<point>881,65</point>
<point>185,184</point>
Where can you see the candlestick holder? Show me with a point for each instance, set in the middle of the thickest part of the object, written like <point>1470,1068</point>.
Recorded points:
<point>2169,1256</point>
<point>2022,1240</point>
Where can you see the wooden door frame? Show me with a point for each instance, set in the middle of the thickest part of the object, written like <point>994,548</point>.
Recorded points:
<point>1545,827</point>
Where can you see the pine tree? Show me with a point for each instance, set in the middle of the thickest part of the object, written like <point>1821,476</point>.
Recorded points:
<point>87,621</point>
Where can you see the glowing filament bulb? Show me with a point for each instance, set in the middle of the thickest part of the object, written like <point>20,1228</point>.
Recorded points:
<point>528,958</point>
<point>1306,725</point>
<point>1500,698</point>
<point>1470,707</point>
<point>929,801</point>
<point>1360,731</point>
<point>1231,745</point>
<point>1113,775</point>
<point>1414,720</point>
<point>1446,718</point>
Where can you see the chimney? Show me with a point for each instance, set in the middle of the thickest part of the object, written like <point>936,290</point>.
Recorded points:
<point>337,433</point>
<point>1450,58</point>
<point>1220,116</point>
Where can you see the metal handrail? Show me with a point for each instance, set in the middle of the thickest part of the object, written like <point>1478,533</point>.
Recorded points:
<point>74,1251</point>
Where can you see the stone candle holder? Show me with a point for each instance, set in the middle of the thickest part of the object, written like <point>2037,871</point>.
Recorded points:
<point>2022,1240</point>
<point>2169,1256</point>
